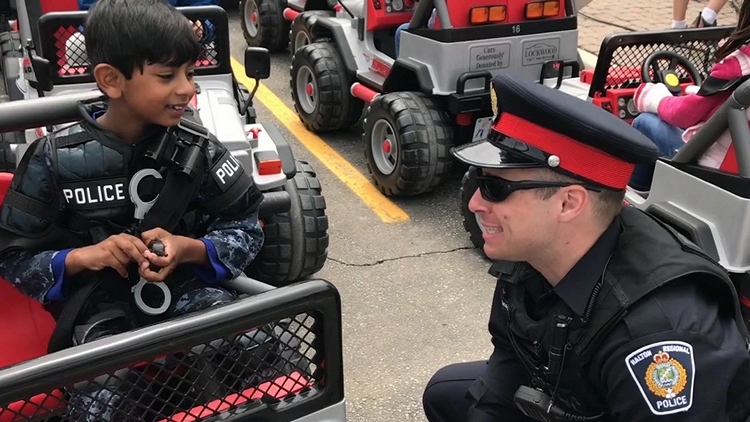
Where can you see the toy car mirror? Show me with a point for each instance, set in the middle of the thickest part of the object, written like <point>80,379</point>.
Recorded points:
<point>42,72</point>
<point>257,63</point>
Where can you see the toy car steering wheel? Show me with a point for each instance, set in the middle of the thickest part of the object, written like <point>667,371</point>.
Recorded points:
<point>668,76</point>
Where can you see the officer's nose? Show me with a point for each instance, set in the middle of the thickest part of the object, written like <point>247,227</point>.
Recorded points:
<point>477,204</point>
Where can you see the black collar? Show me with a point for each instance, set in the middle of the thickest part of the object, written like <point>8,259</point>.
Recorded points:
<point>576,287</point>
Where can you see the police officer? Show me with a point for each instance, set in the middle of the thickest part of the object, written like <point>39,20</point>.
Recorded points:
<point>600,312</point>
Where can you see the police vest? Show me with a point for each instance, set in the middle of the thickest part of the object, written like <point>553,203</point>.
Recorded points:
<point>631,274</point>
<point>93,178</point>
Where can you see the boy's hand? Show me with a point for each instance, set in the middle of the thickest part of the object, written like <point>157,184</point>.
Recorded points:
<point>116,252</point>
<point>167,262</point>
<point>177,250</point>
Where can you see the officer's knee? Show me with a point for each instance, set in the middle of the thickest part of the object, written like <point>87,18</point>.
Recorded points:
<point>444,397</point>
<point>201,298</point>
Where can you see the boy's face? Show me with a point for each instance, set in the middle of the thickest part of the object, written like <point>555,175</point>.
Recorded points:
<point>157,95</point>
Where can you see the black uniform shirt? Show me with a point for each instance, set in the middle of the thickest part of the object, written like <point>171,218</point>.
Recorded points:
<point>576,287</point>
<point>674,357</point>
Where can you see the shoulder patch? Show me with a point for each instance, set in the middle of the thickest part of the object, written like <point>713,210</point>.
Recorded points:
<point>664,373</point>
<point>226,171</point>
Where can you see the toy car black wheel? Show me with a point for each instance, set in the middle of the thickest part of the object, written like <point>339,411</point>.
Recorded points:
<point>296,242</point>
<point>301,33</point>
<point>470,220</point>
<point>320,88</point>
<point>263,24</point>
<point>407,138</point>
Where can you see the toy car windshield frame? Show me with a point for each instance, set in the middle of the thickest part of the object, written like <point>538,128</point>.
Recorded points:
<point>622,55</point>
<point>60,28</point>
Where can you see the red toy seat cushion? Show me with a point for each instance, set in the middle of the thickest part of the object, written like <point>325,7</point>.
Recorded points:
<point>729,165</point>
<point>26,324</point>
<point>5,179</point>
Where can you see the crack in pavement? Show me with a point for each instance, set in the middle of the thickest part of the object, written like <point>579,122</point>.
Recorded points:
<point>398,258</point>
<point>605,22</point>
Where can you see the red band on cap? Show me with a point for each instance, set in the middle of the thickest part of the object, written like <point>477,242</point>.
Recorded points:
<point>575,157</point>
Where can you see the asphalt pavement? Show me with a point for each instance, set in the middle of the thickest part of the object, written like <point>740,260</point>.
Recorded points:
<point>416,295</point>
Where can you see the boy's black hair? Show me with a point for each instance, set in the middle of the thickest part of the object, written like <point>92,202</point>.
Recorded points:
<point>130,34</point>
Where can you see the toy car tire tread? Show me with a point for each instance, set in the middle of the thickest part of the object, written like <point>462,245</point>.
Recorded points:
<point>336,107</point>
<point>469,219</point>
<point>273,29</point>
<point>304,23</point>
<point>425,137</point>
<point>296,242</point>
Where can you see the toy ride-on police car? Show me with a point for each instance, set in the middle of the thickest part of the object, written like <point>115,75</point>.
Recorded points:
<point>625,60</point>
<point>436,94</point>
<point>274,24</point>
<point>296,235</point>
<point>274,354</point>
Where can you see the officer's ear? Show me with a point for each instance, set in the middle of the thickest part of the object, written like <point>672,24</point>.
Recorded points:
<point>109,80</point>
<point>574,200</point>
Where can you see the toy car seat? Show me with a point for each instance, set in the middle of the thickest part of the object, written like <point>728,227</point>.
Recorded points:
<point>26,324</point>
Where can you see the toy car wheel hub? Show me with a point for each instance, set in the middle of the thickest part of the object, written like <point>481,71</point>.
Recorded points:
<point>306,84</point>
<point>251,17</point>
<point>384,147</point>
<point>301,40</point>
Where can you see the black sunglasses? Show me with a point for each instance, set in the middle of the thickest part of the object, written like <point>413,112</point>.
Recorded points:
<point>497,189</point>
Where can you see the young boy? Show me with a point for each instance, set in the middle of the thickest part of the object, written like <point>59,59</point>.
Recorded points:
<point>68,218</point>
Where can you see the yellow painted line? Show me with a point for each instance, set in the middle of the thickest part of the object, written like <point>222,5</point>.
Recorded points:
<point>347,173</point>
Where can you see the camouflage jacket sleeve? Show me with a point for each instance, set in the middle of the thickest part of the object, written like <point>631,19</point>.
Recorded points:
<point>229,201</point>
<point>30,239</point>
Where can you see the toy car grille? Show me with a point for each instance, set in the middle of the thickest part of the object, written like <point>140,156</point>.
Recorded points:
<point>274,366</point>
<point>621,56</point>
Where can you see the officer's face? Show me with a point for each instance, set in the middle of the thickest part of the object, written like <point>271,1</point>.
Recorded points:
<point>160,93</point>
<point>517,228</point>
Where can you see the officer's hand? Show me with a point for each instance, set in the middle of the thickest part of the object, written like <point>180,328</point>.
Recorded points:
<point>157,268</point>
<point>116,252</point>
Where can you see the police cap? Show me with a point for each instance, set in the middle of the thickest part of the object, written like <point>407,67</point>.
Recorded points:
<point>538,126</point>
